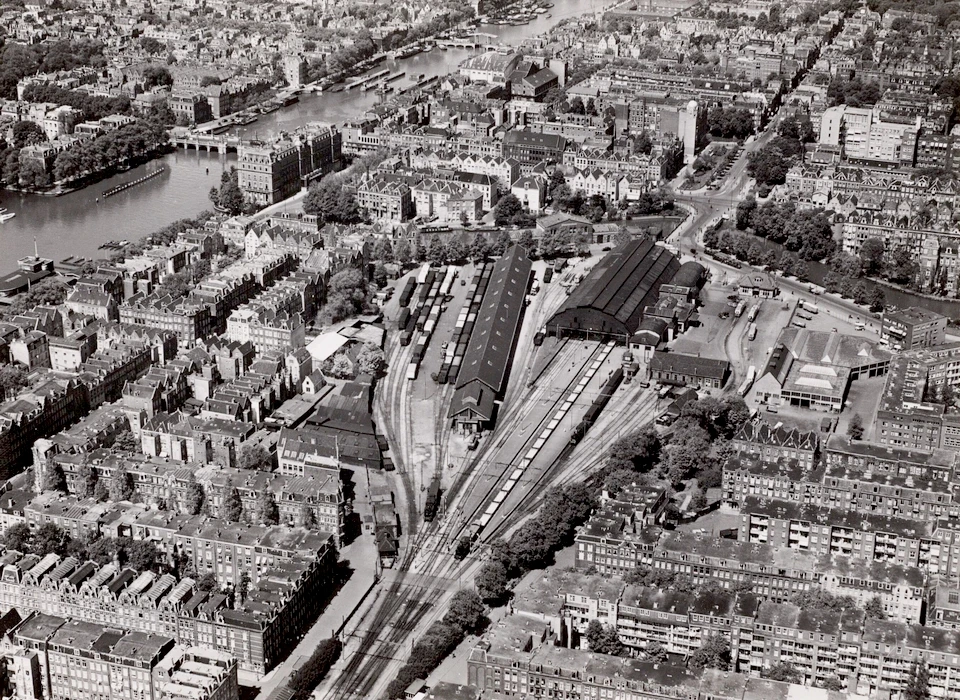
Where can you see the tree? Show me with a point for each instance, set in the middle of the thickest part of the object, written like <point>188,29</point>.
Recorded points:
<point>232,505</point>
<point>141,555</point>
<point>831,683</point>
<point>308,676</point>
<point>383,250</point>
<point>331,199</point>
<point>745,211</point>
<point>491,581</point>
<point>152,46</point>
<point>156,75</point>
<point>855,429</point>
<point>267,511</point>
<point>194,497</point>
<point>12,379</point>
<point>436,250</point>
<point>901,267</point>
<point>501,244</point>
<point>507,210</point>
<point>121,485</point>
<point>639,451</point>
<point>34,176</point>
<point>603,639</point>
<point>402,252</point>
<point>101,492</point>
<point>126,441</point>
<point>27,133</point>
<point>52,477</point>
<point>230,197</point>
<point>656,652</point>
<point>207,582</point>
<point>918,684</point>
<point>457,250</point>
<point>784,672</point>
<point>871,255</point>
<point>874,609</point>
<point>370,360</point>
<point>257,457</point>
<point>556,181</point>
<point>466,611</point>
<point>86,483</point>
<point>50,538</point>
<point>713,653</point>
<point>479,248</point>
<point>18,537</point>
<point>340,367</point>
<point>768,166</point>
<point>876,299</point>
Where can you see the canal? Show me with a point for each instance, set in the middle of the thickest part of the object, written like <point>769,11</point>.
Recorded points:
<point>817,272</point>
<point>76,224</point>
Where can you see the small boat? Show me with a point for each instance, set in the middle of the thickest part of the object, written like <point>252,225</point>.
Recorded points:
<point>4,218</point>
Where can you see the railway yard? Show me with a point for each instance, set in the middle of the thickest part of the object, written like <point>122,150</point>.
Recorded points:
<point>489,482</point>
<point>484,410</point>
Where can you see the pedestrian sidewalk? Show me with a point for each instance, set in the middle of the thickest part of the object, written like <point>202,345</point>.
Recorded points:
<point>362,556</point>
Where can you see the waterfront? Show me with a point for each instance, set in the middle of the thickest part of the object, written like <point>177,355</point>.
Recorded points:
<point>75,224</point>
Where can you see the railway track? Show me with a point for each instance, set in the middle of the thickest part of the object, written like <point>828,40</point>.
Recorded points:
<point>514,455</point>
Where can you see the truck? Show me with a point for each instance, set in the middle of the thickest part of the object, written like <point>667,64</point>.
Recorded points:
<point>814,289</point>
<point>752,332</point>
<point>809,307</point>
<point>738,312</point>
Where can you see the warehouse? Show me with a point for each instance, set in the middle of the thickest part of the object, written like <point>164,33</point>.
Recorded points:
<point>486,363</point>
<point>611,300</point>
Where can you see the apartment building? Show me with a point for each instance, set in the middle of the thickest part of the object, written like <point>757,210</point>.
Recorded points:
<point>257,631</point>
<point>913,328</point>
<point>270,173</point>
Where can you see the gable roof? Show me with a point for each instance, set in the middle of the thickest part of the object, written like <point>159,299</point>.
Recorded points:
<point>491,342</point>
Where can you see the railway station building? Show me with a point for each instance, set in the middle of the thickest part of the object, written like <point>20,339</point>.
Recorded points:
<point>486,363</point>
<point>609,303</point>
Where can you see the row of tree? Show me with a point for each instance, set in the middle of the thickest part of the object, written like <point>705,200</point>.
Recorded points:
<point>309,675</point>
<point>534,543</point>
<point>806,232</point>
<point>696,447</point>
<point>94,107</point>
<point>108,150</point>
<point>50,538</point>
<point>333,200</point>
<point>20,60</point>
<point>466,614</point>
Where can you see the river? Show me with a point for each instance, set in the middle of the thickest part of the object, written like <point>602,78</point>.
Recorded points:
<point>75,224</point>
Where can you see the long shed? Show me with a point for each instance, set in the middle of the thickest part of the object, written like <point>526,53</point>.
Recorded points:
<point>611,299</point>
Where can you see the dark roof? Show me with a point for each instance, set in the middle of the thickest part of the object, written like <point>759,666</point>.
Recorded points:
<point>541,77</point>
<point>624,283</point>
<point>690,274</point>
<point>491,342</point>
<point>689,365</point>
<point>534,138</point>
<point>475,397</point>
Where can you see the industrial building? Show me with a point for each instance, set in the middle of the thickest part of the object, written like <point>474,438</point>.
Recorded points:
<point>610,301</point>
<point>486,363</point>
<point>813,369</point>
